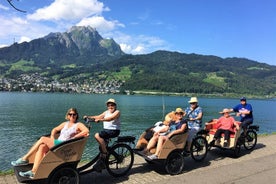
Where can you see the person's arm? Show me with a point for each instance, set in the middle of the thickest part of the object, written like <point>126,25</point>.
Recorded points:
<point>56,130</point>
<point>199,117</point>
<point>96,117</point>
<point>247,110</point>
<point>181,130</point>
<point>82,130</point>
<point>235,109</point>
<point>115,115</point>
<point>236,125</point>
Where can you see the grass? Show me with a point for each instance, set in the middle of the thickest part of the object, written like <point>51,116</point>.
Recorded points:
<point>24,65</point>
<point>212,78</point>
<point>8,172</point>
<point>123,75</point>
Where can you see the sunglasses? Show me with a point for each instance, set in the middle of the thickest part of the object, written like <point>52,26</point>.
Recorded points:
<point>110,105</point>
<point>72,114</point>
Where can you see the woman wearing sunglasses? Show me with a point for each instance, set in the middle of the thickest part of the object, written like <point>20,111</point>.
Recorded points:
<point>68,130</point>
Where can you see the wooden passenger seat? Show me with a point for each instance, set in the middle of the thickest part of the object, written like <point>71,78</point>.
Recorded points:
<point>177,141</point>
<point>212,128</point>
<point>68,152</point>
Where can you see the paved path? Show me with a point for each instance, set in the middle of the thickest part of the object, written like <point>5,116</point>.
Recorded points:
<point>257,166</point>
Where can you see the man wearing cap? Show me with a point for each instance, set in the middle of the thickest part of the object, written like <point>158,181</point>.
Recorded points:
<point>111,128</point>
<point>194,114</point>
<point>245,111</point>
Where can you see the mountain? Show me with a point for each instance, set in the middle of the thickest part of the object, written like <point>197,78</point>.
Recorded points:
<point>80,60</point>
<point>165,71</point>
<point>80,46</point>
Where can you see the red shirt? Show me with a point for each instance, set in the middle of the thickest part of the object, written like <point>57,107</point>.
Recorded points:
<point>226,123</point>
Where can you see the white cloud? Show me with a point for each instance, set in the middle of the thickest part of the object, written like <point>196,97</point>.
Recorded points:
<point>24,39</point>
<point>11,25</point>
<point>68,10</point>
<point>2,7</point>
<point>17,29</point>
<point>126,48</point>
<point>100,23</point>
<point>139,44</point>
<point>139,49</point>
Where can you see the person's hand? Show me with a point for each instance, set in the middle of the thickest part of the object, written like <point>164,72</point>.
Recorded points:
<point>97,120</point>
<point>156,133</point>
<point>169,135</point>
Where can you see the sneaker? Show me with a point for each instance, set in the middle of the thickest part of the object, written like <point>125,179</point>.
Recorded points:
<point>27,174</point>
<point>152,157</point>
<point>19,162</point>
<point>99,165</point>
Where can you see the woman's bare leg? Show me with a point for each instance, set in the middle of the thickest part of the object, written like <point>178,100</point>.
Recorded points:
<point>42,149</point>
<point>152,142</point>
<point>43,140</point>
<point>160,143</point>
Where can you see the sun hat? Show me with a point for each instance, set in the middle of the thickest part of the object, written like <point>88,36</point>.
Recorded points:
<point>225,111</point>
<point>243,99</point>
<point>111,100</point>
<point>193,100</point>
<point>178,110</point>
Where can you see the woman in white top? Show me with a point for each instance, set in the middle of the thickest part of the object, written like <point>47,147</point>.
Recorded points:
<point>111,124</point>
<point>68,130</point>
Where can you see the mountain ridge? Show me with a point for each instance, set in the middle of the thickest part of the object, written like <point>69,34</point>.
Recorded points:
<point>81,58</point>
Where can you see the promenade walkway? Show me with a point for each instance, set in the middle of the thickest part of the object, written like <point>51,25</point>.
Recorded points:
<point>257,166</point>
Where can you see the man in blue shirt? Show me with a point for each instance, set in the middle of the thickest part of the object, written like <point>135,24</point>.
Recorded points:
<point>245,111</point>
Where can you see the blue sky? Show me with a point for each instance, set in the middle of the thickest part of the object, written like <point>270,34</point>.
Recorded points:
<point>224,28</point>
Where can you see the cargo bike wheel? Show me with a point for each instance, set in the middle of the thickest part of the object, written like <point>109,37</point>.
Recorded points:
<point>199,148</point>
<point>119,160</point>
<point>64,175</point>
<point>250,139</point>
<point>174,163</point>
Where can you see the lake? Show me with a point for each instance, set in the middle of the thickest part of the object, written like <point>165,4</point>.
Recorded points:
<point>24,117</point>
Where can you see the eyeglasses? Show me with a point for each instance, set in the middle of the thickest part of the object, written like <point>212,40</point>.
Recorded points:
<point>72,114</point>
<point>110,105</point>
<point>193,103</point>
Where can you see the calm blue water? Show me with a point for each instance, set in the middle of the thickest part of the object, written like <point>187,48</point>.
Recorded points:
<point>26,116</point>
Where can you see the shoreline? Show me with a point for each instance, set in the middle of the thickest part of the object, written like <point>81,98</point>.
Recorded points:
<point>213,95</point>
<point>157,93</point>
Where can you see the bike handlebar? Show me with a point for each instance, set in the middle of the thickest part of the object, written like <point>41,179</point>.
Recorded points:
<point>87,120</point>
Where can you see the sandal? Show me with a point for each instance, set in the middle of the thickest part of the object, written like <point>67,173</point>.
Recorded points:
<point>19,162</point>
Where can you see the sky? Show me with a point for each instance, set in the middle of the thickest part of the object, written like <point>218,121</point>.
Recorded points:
<point>223,28</point>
